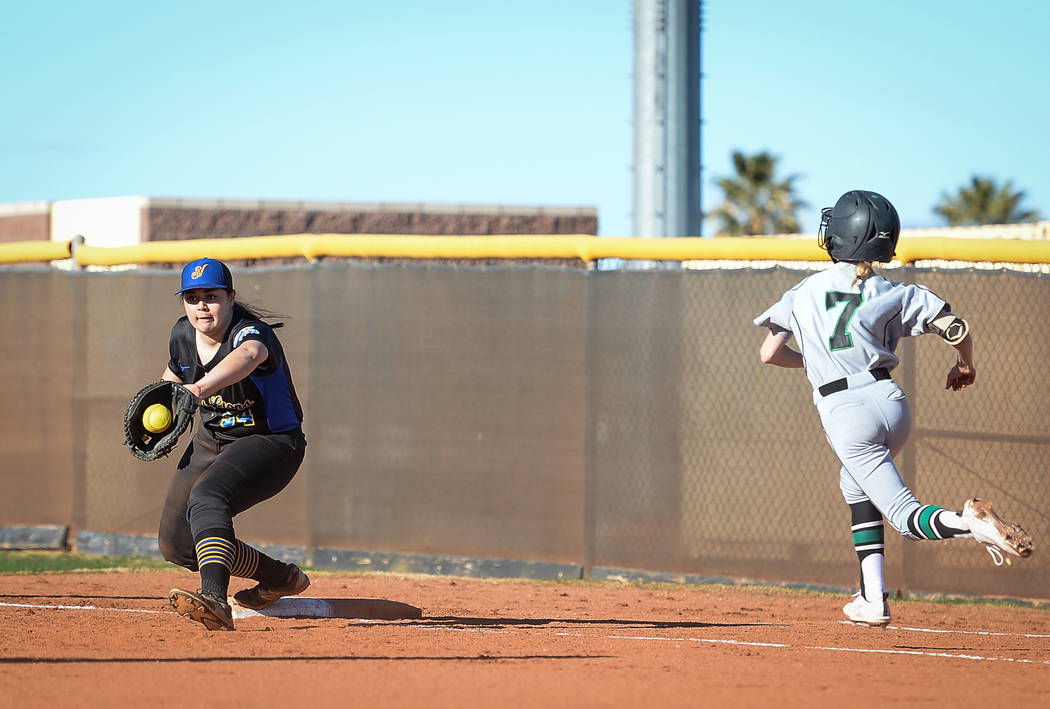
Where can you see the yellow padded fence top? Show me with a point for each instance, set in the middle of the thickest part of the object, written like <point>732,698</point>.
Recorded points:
<point>580,246</point>
<point>20,251</point>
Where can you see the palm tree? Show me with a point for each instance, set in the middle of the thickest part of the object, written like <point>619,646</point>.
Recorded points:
<point>756,202</point>
<point>984,202</point>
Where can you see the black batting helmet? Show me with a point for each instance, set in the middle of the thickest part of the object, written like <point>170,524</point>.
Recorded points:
<point>862,226</point>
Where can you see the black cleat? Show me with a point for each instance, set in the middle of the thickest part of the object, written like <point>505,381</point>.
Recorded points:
<point>260,596</point>
<point>208,609</point>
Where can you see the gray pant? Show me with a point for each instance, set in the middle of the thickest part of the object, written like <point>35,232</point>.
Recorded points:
<point>866,426</point>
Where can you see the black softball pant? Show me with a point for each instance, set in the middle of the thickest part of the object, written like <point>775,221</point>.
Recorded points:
<point>217,480</point>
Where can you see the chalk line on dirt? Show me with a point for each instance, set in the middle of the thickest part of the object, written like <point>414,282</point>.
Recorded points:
<point>960,632</point>
<point>60,607</point>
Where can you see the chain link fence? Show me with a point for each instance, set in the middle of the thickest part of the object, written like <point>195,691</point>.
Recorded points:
<point>618,420</point>
<point>703,461</point>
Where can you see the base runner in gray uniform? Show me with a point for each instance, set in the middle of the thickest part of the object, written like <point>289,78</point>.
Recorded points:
<point>847,321</point>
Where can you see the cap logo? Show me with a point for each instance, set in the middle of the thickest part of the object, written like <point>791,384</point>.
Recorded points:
<point>198,271</point>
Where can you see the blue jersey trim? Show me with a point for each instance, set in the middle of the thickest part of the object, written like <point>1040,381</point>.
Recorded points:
<point>277,399</point>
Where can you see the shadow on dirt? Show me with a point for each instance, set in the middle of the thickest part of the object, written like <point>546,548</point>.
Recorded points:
<point>457,621</point>
<point>77,596</point>
<point>297,658</point>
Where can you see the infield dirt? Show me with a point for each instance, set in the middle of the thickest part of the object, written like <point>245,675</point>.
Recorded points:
<point>110,639</point>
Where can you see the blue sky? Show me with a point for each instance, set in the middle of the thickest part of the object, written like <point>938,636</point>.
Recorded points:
<point>512,103</point>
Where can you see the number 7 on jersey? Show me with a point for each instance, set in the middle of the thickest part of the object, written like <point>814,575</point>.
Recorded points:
<point>840,338</point>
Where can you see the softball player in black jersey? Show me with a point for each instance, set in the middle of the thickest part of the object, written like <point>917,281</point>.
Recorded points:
<point>247,448</point>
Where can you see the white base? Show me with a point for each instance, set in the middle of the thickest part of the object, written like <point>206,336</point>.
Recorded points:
<point>303,607</point>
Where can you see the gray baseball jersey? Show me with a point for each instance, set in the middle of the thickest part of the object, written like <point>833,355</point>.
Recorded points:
<point>844,329</point>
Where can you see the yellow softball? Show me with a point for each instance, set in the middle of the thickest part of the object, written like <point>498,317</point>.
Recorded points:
<point>156,418</point>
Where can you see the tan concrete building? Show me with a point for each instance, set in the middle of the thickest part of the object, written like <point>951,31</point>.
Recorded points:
<point>125,221</point>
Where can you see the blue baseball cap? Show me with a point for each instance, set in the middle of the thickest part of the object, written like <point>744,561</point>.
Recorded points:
<point>205,273</point>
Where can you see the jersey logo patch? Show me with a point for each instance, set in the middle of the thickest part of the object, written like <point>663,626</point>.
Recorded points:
<point>217,403</point>
<point>243,333</point>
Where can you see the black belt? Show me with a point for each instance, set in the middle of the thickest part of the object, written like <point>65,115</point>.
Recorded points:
<point>841,384</point>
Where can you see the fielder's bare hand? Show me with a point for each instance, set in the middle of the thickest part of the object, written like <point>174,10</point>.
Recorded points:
<point>960,376</point>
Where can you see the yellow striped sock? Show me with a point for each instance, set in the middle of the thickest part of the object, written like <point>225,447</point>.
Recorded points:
<point>215,550</point>
<point>245,562</point>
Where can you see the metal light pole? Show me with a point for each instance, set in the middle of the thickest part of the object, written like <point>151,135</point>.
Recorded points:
<point>667,166</point>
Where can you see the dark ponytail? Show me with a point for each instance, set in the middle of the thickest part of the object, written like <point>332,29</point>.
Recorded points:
<point>243,311</point>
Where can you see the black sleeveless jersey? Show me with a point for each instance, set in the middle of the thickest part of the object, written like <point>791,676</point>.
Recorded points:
<point>262,402</point>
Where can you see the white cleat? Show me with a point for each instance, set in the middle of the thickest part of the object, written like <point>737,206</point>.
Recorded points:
<point>875,614</point>
<point>996,534</point>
